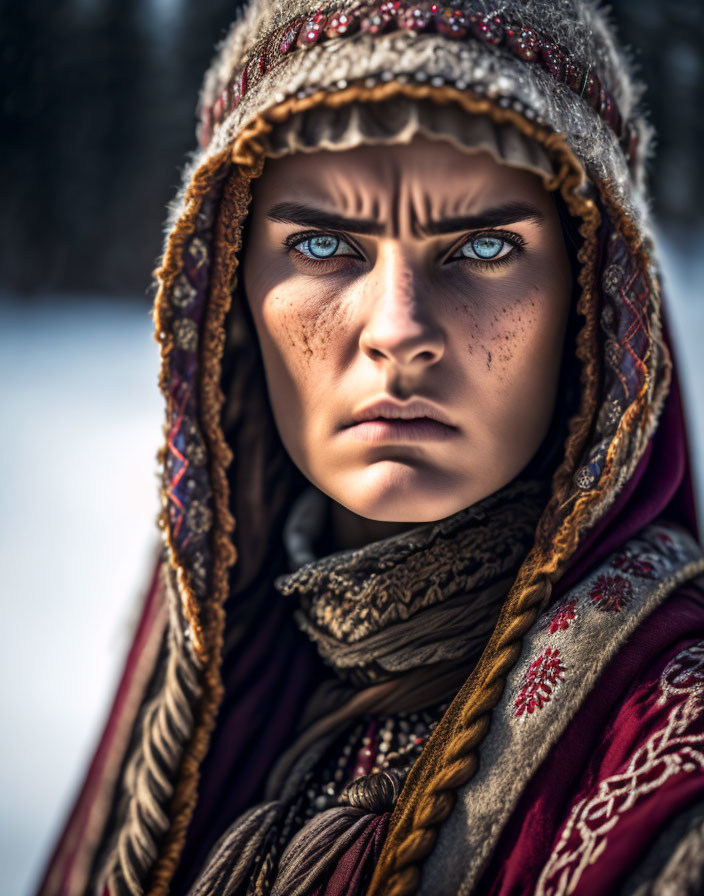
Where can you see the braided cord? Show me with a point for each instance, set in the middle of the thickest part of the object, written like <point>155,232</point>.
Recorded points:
<point>166,724</point>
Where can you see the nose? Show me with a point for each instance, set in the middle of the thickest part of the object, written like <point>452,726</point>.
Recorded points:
<point>398,324</point>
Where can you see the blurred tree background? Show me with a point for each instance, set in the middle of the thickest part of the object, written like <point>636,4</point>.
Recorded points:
<point>98,117</point>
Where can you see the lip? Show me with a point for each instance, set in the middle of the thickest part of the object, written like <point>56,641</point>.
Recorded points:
<point>418,429</point>
<point>389,409</point>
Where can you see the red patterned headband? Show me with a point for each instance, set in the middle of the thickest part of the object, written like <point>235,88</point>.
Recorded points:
<point>524,42</point>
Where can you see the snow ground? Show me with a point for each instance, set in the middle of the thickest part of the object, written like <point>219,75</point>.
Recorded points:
<point>78,498</point>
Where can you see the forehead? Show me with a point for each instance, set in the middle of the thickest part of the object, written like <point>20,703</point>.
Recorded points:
<point>427,175</point>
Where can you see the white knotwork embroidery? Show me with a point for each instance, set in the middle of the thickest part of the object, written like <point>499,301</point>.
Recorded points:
<point>668,751</point>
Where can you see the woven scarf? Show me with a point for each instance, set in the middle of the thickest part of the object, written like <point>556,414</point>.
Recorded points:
<point>425,596</point>
<point>400,621</point>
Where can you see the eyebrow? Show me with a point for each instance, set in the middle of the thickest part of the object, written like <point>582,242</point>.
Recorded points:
<point>508,213</point>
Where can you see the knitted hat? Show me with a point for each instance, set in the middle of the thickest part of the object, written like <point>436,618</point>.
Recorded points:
<point>535,57</point>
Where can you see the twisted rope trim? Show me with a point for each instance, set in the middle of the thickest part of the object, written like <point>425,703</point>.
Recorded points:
<point>166,724</point>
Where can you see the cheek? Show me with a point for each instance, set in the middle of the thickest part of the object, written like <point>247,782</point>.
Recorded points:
<point>517,327</point>
<point>300,343</point>
<point>514,357</point>
<point>525,339</point>
<point>293,315</point>
<point>301,330</point>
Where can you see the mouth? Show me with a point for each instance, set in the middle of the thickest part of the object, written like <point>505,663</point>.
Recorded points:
<point>411,429</point>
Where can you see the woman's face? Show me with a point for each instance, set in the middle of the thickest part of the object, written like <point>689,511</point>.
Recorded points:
<point>415,275</point>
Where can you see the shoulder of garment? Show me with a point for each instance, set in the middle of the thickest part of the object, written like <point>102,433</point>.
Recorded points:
<point>618,804</point>
<point>583,709</point>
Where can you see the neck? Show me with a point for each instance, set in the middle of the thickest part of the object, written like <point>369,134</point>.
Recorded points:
<point>348,530</point>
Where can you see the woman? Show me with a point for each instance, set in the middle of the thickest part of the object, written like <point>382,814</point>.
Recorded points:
<point>427,619</point>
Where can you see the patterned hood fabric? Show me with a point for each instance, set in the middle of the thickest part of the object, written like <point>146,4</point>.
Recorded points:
<point>549,73</point>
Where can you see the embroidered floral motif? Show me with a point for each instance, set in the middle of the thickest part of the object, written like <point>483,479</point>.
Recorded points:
<point>540,679</point>
<point>629,562</point>
<point>183,293</point>
<point>563,617</point>
<point>194,448</point>
<point>186,334</point>
<point>198,518</point>
<point>612,278</point>
<point>198,252</point>
<point>665,545</point>
<point>611,593</point>
<point>670,750</point>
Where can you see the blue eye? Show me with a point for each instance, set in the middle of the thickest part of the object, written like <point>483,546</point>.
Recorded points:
<point>321,246</point>
<point>485,248</point>
<point>493,248</point>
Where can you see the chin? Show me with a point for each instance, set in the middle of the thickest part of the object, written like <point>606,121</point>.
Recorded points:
<point>400,492</point>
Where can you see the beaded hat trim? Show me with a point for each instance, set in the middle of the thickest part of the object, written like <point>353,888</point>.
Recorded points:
<point>497,31</point>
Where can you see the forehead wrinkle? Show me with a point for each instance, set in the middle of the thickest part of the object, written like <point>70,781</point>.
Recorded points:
<point>415,210</point>
<point>411,203</point>
<point>421,208</point>
<point>396,201</point>
<point>344,196</point>
<point>460,203</point>
<point>393,188</point>
<point>425,205</point>
<point>400,196</point>
<point>345,199</point>
<point>335,194</point>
